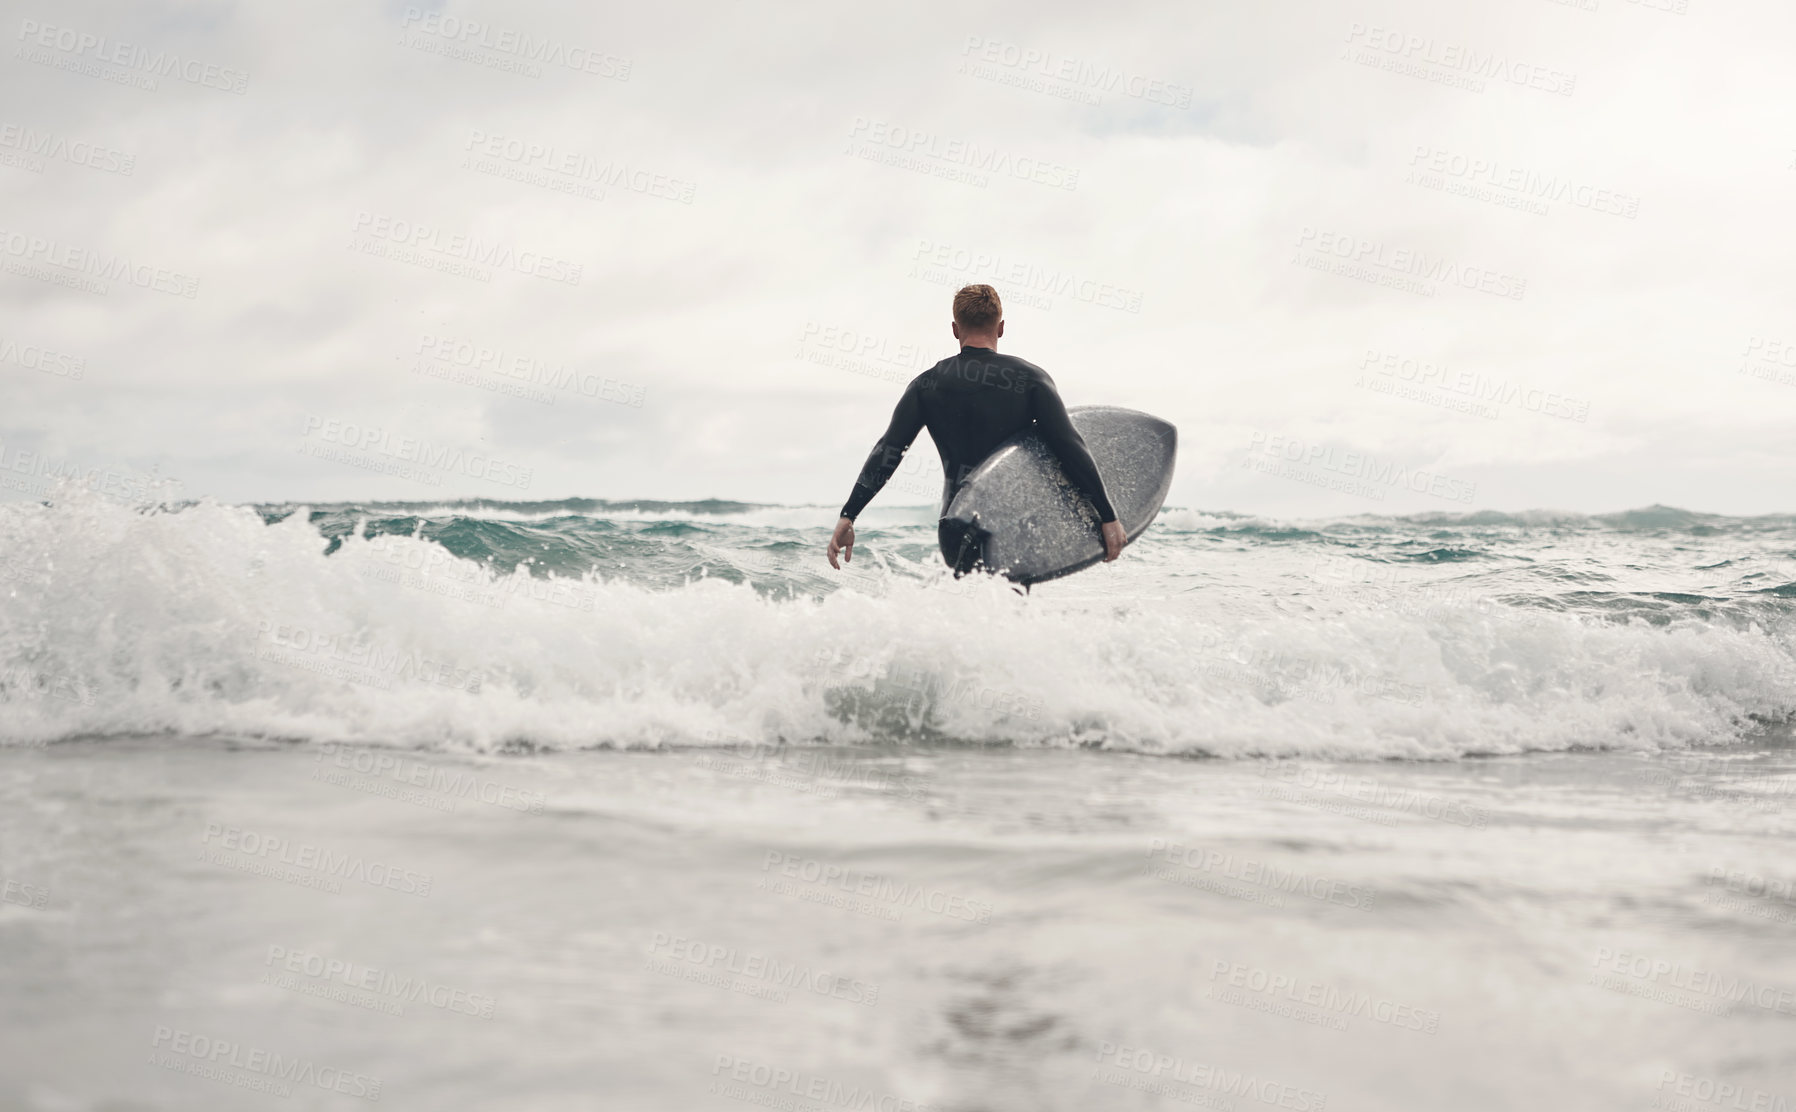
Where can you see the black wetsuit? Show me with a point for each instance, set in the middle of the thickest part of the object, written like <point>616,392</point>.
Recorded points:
<point>972,403</point>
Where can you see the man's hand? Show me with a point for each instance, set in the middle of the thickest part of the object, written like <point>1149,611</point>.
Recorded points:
<point>1114,539</point>
<point>842,540</point>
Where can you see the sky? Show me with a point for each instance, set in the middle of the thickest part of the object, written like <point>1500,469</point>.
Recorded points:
<point>1378,257</point>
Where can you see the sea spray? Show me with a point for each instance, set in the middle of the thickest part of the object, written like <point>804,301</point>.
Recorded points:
<point>551,626</point>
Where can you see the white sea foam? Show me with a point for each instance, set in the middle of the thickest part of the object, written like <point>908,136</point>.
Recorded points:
<point>208,621</point>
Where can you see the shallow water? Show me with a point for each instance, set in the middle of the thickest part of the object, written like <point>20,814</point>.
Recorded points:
<point>585,804</point>
<point>930,927</point>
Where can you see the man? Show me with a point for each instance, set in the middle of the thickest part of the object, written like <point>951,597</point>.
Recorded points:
<point>972,403</point>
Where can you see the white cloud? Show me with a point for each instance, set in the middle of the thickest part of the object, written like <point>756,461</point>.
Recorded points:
<point>351,116</point>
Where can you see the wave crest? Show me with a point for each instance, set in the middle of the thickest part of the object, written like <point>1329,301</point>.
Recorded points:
<point>210,619</point>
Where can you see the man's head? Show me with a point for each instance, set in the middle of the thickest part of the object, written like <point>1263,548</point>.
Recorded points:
<point>978,316</point>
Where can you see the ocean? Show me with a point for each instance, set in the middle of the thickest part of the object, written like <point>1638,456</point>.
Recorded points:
<point>638,805</point>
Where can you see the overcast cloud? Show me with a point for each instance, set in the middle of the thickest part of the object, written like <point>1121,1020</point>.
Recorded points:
<point>1519,254</point>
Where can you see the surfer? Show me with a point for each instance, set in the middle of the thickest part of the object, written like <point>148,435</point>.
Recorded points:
<point>972,403</point>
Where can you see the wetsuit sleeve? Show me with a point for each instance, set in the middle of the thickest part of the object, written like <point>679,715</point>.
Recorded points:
<point>1056,430</point>
<point>907,421</point>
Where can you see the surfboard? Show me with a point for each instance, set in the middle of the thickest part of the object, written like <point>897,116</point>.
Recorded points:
<point>1019,516</point>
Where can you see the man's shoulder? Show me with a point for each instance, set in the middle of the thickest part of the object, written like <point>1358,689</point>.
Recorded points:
<point>1028,366</point>
<point>968,365</point>
<point>1003,358</point>
<point>1025,369</point>
<point>928,376</point>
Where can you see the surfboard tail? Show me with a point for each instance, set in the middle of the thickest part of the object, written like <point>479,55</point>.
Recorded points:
<point>963,543</point>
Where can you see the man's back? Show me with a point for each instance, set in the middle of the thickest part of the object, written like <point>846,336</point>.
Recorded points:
<point>971,403</point>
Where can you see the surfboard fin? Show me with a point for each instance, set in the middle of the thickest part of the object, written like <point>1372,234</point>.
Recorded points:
<point>963,543</point>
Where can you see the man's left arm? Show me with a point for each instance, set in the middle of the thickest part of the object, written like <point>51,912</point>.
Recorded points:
<point>1056,430</point>
<point>882,462</point>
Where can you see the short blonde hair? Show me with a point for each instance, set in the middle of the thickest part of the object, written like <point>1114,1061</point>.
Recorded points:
<point>977,307</point>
